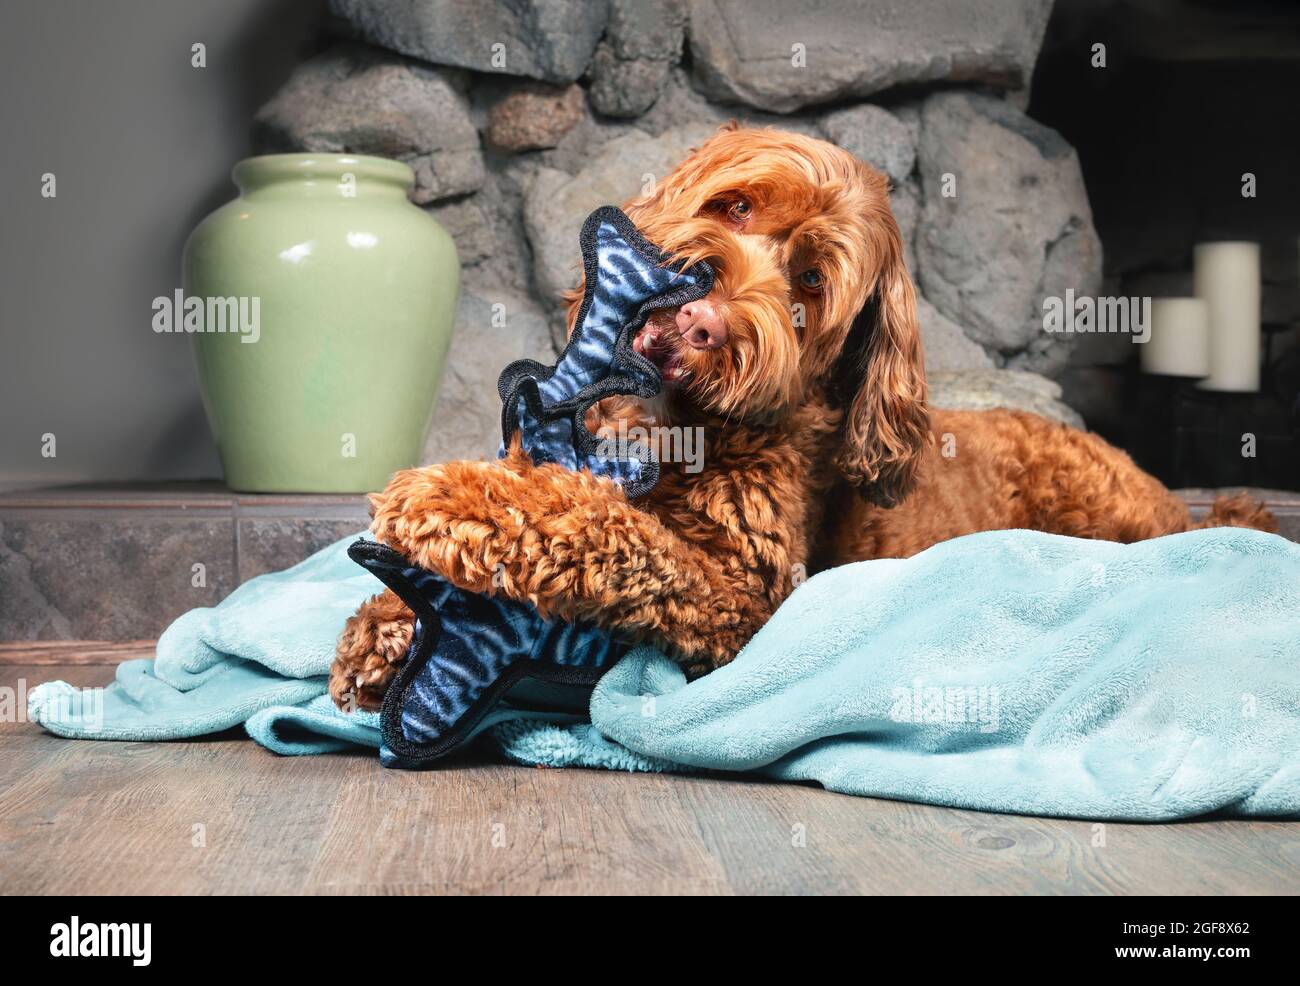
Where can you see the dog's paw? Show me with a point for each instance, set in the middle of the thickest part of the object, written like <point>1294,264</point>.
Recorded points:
<point>374,642</point>
<point>417,505</point>
<point>454,519</point>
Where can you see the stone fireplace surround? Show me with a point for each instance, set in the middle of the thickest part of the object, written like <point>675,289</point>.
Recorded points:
<point>518,124</point>
<point>520,119</point>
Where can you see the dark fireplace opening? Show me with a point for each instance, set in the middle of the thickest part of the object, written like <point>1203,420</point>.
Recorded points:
<point>1188,104</point>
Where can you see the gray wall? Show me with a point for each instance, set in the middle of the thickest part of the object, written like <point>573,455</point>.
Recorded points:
<point>103,95</point>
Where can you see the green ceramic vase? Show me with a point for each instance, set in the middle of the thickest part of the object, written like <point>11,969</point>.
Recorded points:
<point>321,304</point>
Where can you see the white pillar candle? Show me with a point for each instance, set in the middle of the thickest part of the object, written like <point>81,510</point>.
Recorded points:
<point>1227,276</point>
<point>1180,338</point>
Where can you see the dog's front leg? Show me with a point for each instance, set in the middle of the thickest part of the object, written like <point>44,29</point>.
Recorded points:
<point>574,547</point>
<point>373,643</point>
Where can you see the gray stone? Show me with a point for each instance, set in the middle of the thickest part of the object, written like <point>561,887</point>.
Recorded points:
<point>625,88</point>
<point>905,203</point>
<point>651,29</point>
<point>470,227</point>
<point>120,564</point>
<point>556,203</point>
<point>1017,98</point>
<point>488,229</point>
<point>535,116</point>
<point>502,204</point>
<point>631,65</point>
<point>109,575</point>
<point>979,390</point>
<point>272,544</point>
<point>550,40</point>
<point>576,149</point>
<point>909,114</point>
<point>1018,228</point>
<point>358,100</point>
<point>26,612</point>
<point>747,51</point>
<point>681,103</point>
<point>493,328</point>
<point>946,346</point>
<point>873,135</point>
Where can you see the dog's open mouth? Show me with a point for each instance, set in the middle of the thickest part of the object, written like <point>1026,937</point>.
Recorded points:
<point>661,346</point>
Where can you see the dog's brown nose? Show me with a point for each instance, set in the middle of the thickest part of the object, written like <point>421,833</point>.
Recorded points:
<point>701,325</point>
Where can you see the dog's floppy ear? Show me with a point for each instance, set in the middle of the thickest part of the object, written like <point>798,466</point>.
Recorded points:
<point>880,379</point>
<point>573,304</point>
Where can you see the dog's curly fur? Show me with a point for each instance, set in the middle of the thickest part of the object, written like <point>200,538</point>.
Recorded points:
<point>819,445</point>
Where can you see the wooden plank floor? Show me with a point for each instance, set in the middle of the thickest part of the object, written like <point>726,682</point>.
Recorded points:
<point>222,815</point>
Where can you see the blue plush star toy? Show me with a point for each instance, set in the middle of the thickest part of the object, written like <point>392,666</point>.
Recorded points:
<point>627,278</point>
<point>471,654</point>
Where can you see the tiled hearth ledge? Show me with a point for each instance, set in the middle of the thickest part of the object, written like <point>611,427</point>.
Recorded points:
<point>114,566</point>
<point>119,564</point>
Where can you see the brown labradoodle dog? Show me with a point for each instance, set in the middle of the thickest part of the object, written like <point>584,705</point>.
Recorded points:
<point>803,372</point>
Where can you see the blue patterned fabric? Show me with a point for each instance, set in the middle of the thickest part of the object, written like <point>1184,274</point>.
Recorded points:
<point>475,660</point>
<point>474,657</point>
<point>626,279</point>
<point>481,637</point>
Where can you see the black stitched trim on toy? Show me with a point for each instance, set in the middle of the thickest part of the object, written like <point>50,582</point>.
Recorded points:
<point>389,567</point>
<point>519,379</point>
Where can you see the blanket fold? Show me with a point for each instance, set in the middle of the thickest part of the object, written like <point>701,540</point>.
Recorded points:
<point>1008,671</point>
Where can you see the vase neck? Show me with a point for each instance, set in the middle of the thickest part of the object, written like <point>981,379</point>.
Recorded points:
<point>333,176</point>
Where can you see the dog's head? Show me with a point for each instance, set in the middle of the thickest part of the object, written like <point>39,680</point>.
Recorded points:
<point>812,300</point>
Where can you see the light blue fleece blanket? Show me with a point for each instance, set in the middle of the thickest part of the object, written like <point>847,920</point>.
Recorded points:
<point>259,658</point>
<point>1007,671</point>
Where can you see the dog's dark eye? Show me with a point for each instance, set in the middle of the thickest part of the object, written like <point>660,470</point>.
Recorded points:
<point>811,279</point>
<point>740,209</point>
